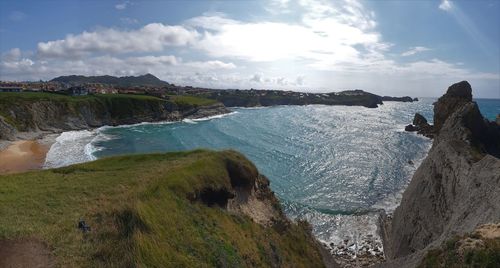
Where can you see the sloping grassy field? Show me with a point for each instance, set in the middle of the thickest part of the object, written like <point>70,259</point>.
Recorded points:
<point>9,97</point>
<point>141,214</point>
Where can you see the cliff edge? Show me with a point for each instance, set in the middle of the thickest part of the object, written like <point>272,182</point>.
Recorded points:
<point>29,113</point>
<point>186,209</point>
<point>455,189</point>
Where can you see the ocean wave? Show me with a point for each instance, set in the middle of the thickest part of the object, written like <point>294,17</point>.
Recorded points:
<point>213,117</point>
<point>189,121</point>
<point>71,147</point>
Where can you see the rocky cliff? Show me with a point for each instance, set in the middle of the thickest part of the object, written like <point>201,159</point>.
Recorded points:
<point>35,112</point>
<point>455,189</point>
<point>251,98</point>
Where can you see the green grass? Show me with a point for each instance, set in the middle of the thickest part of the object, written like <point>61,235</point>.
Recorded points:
<point>186,100</point>
<point>142,215</point>
<point>26,110</point>
<point>44,96</point>
<point>448,254</point>
<point>38,96</point>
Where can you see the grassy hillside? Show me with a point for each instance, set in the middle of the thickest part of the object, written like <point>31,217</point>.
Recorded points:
<point>464,252</point>
<point>146,211</point>
<point>9,97</point>
<point>185,100</point>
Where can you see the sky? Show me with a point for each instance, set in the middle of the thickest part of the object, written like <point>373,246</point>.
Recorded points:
<point>405,47</point>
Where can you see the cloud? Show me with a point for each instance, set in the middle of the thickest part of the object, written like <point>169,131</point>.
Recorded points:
<point>150,38</point>
<point>257,78</point>
<point>17,16</point>
<point>327,34</point>
<point>414,50</point>
<point>17,67</point>
<point>122,6</point>
<point>335,44</point>
<point>11,55</point>
<point>300,80</point>
<point>210,65</point>
<point>446,5</point>
<point>278,7</point>
<point>129,20</point>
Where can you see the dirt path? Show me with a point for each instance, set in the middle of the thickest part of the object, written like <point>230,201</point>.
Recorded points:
<point>25,253</point>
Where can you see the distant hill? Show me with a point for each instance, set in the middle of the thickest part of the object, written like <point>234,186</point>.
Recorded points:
<point>125,81</point>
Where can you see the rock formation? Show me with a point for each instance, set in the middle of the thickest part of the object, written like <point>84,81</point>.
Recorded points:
<point>401,99</point>
<point>421,126</point>
<point>455,189</point>
<point>54,115</point>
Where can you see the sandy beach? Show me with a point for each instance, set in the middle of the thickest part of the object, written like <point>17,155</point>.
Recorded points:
<point>22,156</point>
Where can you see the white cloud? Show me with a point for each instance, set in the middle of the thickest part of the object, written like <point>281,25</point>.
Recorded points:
<point>414,50</point>
<point>327,34</point>
<point>278,7</point>
<point>152,60</point>
<point>11,55</point>
<point>446,5</point>
<point>300,80</point>
<point>122,6</point>
<point>152,37</point>
<point>257,78</point>
<point>127,20</point>
<point>210,65</point>
<point>335,44</point>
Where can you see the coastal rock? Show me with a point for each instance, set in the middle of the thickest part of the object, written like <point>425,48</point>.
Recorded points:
<point>400,99</point>
<point>411,128</point>
<point>420,124</point>
<point>456,187</point>
<point>7,132</point>
<point>419,120</point>
<point>457,95</point>
<point>253,98</point>
<point>53,115</point>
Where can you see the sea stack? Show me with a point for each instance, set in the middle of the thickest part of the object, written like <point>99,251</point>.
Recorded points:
<point>455,189</point>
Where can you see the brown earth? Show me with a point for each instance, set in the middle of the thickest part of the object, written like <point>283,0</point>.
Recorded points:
<point>22,156</point>
<point>24,253</point>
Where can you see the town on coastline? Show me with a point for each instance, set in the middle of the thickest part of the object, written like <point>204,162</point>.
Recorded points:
<point>148,84</point>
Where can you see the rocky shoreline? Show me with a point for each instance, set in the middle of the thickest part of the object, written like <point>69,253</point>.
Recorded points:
<point>46,138</point>
<point>456,187</point>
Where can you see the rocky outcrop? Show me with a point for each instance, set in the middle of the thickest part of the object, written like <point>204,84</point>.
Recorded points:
<point>400,99</point>
<point>456,187</point>
<point>252,98</point>
<point>457,95</point>
<point>7,132</point>
<point>63,114</point>
<point>421,126</point>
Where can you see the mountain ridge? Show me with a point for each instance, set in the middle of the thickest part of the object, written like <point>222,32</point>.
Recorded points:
<point>125,81</point>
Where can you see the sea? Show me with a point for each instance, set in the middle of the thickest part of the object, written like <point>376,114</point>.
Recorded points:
<point>334,166</point>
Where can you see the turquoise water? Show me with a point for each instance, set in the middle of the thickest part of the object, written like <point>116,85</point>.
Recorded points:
<point>332,165</point>
<point>490,108</point>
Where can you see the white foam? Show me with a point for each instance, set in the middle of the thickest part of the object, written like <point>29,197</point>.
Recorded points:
<point>213,117</point>
<point>70,148</point>
<point>189,121</point>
